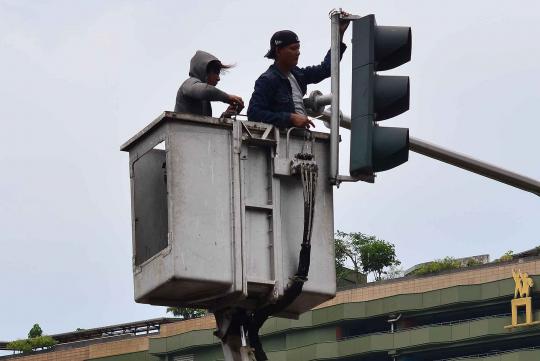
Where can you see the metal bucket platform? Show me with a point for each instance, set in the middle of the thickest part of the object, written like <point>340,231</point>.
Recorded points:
<point>217,218</point>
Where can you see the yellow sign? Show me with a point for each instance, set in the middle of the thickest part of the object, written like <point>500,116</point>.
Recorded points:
<point>522,298</point>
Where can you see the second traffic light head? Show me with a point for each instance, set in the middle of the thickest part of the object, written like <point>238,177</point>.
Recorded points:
<point>378,97</point>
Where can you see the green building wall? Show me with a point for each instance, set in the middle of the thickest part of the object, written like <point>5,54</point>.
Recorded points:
<point>315,335</point>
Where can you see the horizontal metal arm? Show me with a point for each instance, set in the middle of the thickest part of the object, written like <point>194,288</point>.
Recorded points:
<point>474,165</point>
<point>457,159</point>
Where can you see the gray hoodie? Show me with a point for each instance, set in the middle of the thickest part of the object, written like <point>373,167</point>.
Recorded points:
<point>194,95</point>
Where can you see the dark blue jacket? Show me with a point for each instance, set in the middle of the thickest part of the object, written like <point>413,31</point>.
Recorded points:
<point>272,100</point>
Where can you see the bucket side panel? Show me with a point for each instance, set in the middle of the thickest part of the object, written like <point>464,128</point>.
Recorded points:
<point>321,284</point>
<point>201,202</point>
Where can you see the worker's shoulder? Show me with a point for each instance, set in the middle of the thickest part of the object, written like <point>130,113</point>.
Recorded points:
<point>271,74</point>
<point>270,79</point>
<point>191,81</point>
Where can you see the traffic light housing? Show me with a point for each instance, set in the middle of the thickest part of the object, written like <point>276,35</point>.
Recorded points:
<point>377,97</point>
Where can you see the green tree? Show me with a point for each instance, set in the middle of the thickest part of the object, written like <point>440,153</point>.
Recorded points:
<point>365,253</point>
<point>35,331</point>
<point>393,272</point>
<point>347,248</point>
<point>376,254</point>
<point>186,313</point>
<point>35,341</point>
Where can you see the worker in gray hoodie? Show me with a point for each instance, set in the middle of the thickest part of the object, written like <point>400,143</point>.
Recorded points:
<point>196,93</point>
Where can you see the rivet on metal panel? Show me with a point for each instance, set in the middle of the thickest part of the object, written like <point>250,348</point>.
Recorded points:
<point>243,152</point>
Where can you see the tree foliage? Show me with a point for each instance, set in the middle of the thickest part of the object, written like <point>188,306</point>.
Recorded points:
<point>507,256</point>
<point>20,345</point>
<point>364,252</point>
<point>377,254</point>
<point>347,248</point>
<point>35,341</point>
<point>32,344</point>
<point>471,262</point>
<point>186,313</point>
<point>439,265</point>
<point>35,331</point>
<point>393,272</point>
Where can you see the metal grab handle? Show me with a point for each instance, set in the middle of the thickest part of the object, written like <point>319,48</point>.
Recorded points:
<point>287,140</point>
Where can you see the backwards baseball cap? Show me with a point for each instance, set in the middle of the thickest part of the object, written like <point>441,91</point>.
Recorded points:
<point>280,39</point>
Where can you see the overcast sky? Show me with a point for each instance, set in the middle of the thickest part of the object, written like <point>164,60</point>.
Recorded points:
<point>78,78</point>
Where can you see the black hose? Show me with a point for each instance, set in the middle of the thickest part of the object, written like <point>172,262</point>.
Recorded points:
<point>308,173</point>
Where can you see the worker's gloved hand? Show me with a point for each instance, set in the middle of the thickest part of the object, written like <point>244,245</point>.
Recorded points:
<point>301,121</point>
<point>343,23</point>
<point>236,108</point>
<point>232,110</point>
<point>236,100</point>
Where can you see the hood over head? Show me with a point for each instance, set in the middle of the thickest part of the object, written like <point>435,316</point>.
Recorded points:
<point>198,64</point>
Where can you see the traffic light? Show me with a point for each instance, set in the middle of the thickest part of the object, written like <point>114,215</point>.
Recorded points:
<point>377,97</point>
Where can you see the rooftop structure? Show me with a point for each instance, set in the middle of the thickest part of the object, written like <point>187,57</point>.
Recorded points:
<point>145,327</point>
<point>453,315</point>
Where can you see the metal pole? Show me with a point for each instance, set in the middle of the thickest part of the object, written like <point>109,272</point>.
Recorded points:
<point>460,160</point>
<point>474,165</point>
<point>334,121</point>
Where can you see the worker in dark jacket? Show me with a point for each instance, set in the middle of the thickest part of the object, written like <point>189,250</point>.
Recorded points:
<point>277,97</point>
<point>196,93</point>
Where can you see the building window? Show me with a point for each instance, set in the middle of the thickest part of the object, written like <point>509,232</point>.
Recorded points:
<point>184,358</point>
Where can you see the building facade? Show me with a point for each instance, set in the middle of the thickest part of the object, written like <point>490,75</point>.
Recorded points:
<point>458,315</point>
